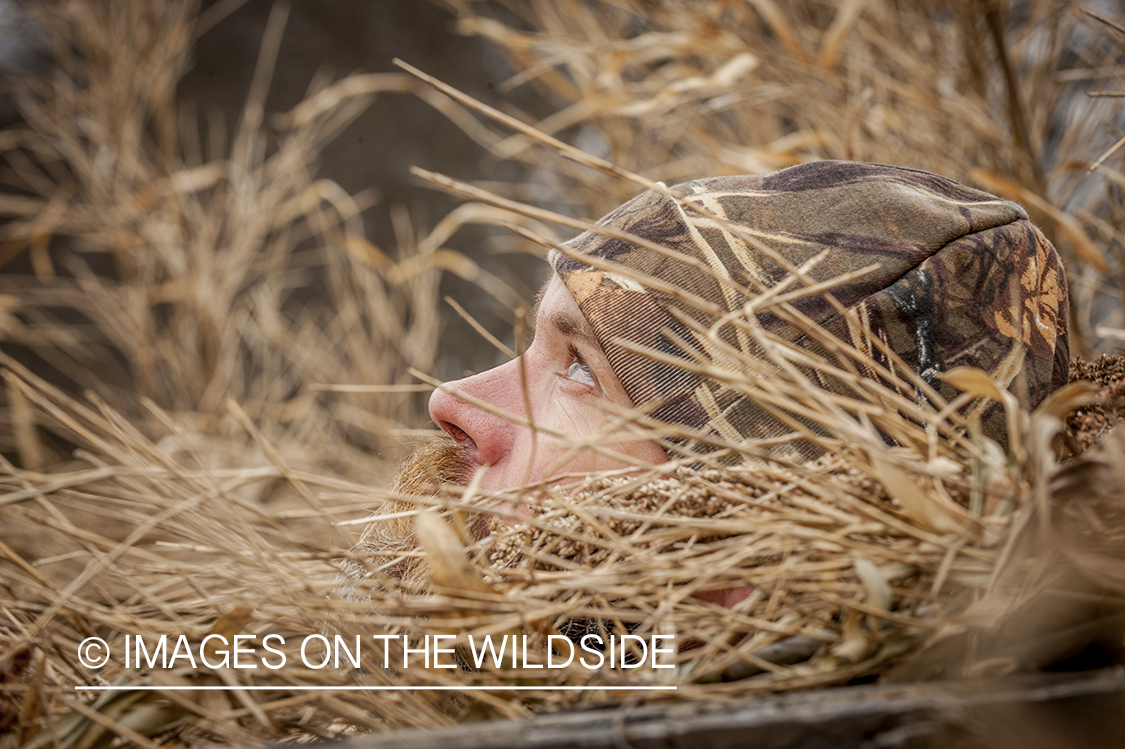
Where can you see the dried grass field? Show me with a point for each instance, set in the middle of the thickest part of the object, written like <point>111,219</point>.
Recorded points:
<point>211,374</point>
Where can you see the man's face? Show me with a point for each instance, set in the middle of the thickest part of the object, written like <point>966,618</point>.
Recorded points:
<point>555,395</point>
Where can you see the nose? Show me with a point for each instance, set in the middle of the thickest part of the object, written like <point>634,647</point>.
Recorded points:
<point>488,436</point>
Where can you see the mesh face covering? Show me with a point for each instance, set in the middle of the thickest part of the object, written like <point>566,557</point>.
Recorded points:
<point>961,278</point>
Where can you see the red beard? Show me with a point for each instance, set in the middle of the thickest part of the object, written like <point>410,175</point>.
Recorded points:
<point>384,556</point>
<point>433,466</point>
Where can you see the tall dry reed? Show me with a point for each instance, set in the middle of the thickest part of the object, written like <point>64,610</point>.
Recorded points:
<point>1016,99</point>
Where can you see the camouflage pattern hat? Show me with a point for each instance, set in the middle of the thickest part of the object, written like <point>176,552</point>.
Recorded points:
<point>961,278</point>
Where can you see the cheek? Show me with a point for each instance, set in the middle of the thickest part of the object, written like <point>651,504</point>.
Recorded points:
<point>571,416</point>
<point>645,451</point>
<point>584,420</point>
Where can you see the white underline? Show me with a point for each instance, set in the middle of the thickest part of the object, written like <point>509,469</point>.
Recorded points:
<point>362,689</point>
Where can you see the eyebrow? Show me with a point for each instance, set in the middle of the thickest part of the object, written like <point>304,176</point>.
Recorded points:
<point>573,326</point>
<point>568,325</point>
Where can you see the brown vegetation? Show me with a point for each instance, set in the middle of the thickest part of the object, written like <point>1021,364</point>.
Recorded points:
<point>216,448</point>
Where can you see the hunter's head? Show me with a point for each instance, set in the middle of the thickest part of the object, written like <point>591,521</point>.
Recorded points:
<point>652,316</point>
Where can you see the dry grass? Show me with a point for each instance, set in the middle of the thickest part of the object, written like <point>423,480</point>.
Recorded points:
<point>672,91</point>
<point>217,483</point>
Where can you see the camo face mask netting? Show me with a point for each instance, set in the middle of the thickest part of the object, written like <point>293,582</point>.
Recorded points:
<point>954,277</point>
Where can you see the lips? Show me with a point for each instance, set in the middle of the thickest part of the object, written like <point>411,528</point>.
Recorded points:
<point>726,597</point>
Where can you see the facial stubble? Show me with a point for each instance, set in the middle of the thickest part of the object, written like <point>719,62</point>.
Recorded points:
<point>387,552</point>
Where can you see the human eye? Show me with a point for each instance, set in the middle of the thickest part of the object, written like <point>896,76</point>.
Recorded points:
<point>579,370</point>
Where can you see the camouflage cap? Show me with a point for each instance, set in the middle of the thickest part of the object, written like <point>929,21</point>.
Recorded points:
<point>960,277</point>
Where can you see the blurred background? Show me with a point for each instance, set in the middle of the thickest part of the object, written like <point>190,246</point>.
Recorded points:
<point>203,199</point>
